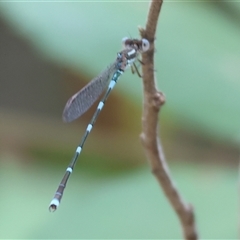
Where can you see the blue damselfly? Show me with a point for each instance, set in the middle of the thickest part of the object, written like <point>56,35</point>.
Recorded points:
<point>80,102</point>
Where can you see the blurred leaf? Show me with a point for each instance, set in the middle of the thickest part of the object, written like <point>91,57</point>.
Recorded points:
<point>129,205</point>
<point>197,58</point>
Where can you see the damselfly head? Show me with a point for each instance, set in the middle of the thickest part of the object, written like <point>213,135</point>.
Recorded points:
<point>139,45</point>
<point>145,45</point>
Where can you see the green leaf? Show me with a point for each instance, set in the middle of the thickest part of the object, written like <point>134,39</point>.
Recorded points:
<point>197,53</point>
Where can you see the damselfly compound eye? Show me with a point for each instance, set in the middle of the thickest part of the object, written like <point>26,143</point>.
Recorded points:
<point>124,41</point>
<point>145,45</point>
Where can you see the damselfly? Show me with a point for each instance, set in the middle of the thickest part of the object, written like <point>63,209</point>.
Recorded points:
<point>83,100</point>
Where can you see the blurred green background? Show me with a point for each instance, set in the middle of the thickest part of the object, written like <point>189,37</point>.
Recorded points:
<point>48,51</point>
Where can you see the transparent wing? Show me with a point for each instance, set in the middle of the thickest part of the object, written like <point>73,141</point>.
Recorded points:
<point>80,102</point>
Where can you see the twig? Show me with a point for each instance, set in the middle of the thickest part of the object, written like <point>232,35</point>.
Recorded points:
<point>153,100</point>
<point>239,199</point>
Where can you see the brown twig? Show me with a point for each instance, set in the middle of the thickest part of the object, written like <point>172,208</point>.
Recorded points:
<point>153,100</point>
